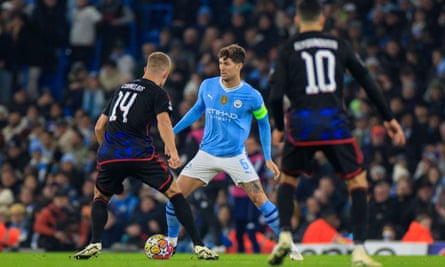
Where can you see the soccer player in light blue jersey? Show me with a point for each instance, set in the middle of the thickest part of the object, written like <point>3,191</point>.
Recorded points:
<point>229,104</point>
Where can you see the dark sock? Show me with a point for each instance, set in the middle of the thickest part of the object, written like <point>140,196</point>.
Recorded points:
<point>99,216</point>
<point>359,215</point>
<point>285,200</point>
<point>185,217</point>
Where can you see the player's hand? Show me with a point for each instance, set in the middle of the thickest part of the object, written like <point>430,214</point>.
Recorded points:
<point>174,161</point>
<point>166,151</point>
<point>395,132</point>
<point>277,137</point>
<point>273,168</point>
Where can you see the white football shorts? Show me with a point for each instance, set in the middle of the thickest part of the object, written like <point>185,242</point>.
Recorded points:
<point>205,166</point>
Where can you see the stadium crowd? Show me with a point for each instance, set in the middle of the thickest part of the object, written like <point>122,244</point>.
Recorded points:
<point>61,59</point>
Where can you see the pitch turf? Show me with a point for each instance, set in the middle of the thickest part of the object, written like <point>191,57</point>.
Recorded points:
<point>111,259</point>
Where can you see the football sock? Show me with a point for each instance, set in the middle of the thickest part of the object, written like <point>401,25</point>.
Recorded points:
<point>185,217</point>
<point>359,214</point>
<point>173,224</point>
<point>285,200</point>
<point>270,212</point>
<point>99,216</point>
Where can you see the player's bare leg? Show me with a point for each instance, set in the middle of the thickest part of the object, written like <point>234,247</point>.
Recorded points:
<point>188,184</point>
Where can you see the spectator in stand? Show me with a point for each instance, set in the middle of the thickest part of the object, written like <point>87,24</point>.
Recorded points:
<point>421,203</point>
<point>49,16</point>
<point>15,127</point>
<point>419,231</point>
<point>111,77</point>
<point>429,160</point>
<point>6,60</point>
<point>324,230</point>
<point>124,60</point>
<point>93,97</point>
<point>63,134</point>
<point>115,24</point>
<point>74,92</point>
<point>28,52</point>
<point>83,36</point>
<point>9,235</point>
<point>389,233</point>
<point>377,152</point>
<point>21,220</point>
<point>55,224</point>
<point>381,210</point>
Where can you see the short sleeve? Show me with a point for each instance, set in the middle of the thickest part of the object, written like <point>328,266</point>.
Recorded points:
<point>106,110</point>
<point>162,103</point>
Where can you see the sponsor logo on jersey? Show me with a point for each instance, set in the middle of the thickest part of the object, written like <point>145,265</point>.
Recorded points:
<point>221,114</point>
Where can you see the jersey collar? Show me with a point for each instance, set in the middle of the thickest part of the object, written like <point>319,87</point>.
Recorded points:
<point>231,89</point>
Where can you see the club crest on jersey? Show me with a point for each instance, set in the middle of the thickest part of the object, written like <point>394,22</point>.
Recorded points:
<point>224,99</point>
<point>237,103</point>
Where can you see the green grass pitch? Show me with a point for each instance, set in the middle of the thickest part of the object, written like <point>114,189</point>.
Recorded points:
<point>114,259</point>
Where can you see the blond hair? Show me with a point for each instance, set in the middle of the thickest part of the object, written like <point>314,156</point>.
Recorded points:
<point>158,62</point>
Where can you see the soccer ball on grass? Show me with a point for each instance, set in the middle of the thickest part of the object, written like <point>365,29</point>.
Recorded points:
<point>158,247</point>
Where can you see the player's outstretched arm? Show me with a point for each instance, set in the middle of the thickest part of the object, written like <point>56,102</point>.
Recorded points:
<point>189,118</point>
<point>395,132</point>
<point>166,132</point>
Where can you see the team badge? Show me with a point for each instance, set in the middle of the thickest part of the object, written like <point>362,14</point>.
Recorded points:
<point>224,99</point>
<point>237,103</point>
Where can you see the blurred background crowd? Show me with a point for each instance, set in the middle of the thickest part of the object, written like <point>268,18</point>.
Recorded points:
<point>61,59</point>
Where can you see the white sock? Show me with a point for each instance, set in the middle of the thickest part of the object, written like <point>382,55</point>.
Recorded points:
<point>173,241</point>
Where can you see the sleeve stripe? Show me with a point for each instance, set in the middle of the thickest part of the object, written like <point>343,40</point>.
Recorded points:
<point>260,113</point>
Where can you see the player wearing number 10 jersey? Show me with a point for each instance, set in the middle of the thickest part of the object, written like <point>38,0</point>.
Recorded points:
<point>309,71</point>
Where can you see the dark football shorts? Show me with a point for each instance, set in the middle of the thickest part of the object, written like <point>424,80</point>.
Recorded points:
<point>344,155</point>
<point>153,172</point>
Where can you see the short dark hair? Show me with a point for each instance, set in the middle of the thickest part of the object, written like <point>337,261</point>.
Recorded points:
<point>235,52</point>
<point>309,10</point>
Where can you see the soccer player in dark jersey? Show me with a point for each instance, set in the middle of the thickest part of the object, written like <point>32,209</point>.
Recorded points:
<point>309,71</point>
<point>126,149</point>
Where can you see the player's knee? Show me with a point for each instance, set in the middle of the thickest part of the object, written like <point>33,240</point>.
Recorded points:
<point>172,190</point>
<point>291,180</point>
<point>99,195</point>
<point>358,182</point>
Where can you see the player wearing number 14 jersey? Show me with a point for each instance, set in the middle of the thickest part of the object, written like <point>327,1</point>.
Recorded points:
<point>126,149</point>
<point>309,71</point>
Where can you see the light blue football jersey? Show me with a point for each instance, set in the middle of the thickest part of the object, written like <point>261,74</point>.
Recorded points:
<point>228,116</point>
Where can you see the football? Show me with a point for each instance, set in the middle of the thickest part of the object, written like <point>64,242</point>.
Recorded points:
<point>158,247</point>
